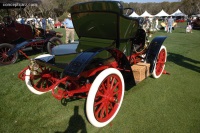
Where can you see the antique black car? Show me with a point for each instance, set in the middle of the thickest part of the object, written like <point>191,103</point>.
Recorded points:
<point>112,50</point>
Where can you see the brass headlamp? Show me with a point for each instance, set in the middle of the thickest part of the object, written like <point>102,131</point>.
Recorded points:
<point>33,67</point>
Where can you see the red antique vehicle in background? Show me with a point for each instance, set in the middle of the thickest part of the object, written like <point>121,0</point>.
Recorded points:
<point>14,37</point>
<point>112,53</point>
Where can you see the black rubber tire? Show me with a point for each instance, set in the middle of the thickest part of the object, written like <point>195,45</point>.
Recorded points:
<point>4,48</point>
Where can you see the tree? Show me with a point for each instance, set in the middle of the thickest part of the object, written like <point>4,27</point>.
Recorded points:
<point>191,6</point>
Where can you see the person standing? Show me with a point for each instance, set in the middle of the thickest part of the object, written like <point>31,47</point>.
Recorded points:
<point>37,22</point>
<point>165,22</point>
<point>22,20</point>
<point>69,27</point>
<point>189,24</point>
<point>170,23</point>
<point>147,27</point>
<point>50,23</point>
<point>44,23</point>
<point>156,24</point>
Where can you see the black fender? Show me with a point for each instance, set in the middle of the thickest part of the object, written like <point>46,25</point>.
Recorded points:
<point>21,45</point>
<point>79,63</point>
<point>153,50</point>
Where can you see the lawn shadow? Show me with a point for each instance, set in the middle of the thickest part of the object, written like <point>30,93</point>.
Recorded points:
<point>76,123</point>
<point>183,61</point>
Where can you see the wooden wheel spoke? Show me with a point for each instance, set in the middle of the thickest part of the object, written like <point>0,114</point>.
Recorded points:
<point>115,93</point>
<point>115,86</point>
<point>110,107</point>
<point>103,88</point>
<point>51,80</point>
<point>112,82</point>
<point>99,102</point>
<point>3,50</point>
<point>100,93</point>
<point>102,112</point>
<point>38,83</point>
<point>98,109</point>
<point>107,83</point>
<point>42,84</point>
<point>2,59</point>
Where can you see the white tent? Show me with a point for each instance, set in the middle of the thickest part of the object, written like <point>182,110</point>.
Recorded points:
<point>178,13</point>
<point>162,13</point>
<point>146,14</point>
<point>134,14</point>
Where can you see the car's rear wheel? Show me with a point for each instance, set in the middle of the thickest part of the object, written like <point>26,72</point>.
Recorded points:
<point>4,58</point>
<point>41,80</point>
<point>160,62</point>
<point>54,41</point>
<point>105,97</point>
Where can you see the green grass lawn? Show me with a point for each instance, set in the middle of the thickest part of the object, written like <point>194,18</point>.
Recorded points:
<point>168,104</point>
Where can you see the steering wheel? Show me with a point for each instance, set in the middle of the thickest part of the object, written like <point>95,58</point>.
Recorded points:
<point>128,11</point>
<point>7,20</point>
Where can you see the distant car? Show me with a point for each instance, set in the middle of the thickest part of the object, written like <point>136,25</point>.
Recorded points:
<point>15,37</point>
<point>196,23</point>
<point>58,24</point>
<point>180,20</point>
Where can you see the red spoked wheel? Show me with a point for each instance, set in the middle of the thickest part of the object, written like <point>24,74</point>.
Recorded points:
<point>42,82</point>
<point>4,58</point>
<point>160,62</point>
<point>105,97</point>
